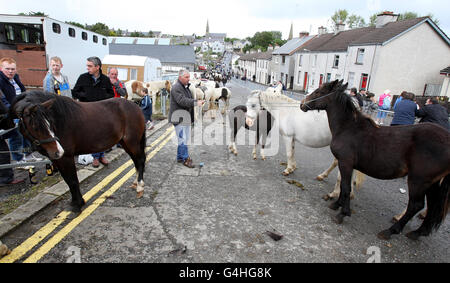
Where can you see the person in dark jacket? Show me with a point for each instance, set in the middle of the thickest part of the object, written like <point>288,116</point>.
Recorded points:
<point>354,93</point>
<point>94,86</point>
<point>433,112</point>
<point>181,115</point>
<point>11,86</point>
<point>404,112</point>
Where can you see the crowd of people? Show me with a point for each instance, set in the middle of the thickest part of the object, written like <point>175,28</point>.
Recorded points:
<point>90,86</point>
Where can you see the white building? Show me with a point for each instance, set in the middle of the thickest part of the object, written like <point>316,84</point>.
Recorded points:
<point>33,40</point>
<point>395,55</point>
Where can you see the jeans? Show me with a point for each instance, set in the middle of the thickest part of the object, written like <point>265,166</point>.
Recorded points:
<point>98,155</point>
<point>183,135</point>
<point>17,142</point>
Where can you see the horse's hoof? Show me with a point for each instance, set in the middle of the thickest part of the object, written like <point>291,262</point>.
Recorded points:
<point>384,235</point>
<point>319,178</point>
<point>326,197</point>
<point>140,194</point>
<point>394,220</point>
<point>334,206</point>
<point>263,158</point>
<point>413,235</point>
<point>339,218</point>
<point>285,173</point>
<point>133,186</point>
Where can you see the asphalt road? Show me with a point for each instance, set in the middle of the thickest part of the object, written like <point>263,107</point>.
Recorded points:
<point>221,212</point>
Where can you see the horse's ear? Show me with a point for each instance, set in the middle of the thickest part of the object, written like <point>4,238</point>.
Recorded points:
<point>48,103</point>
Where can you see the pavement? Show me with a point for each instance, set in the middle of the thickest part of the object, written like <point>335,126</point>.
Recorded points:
<point>12,220</point>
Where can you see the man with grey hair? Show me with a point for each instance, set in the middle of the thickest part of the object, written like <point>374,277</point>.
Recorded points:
<point>181,115</point>
<point>94,86</point>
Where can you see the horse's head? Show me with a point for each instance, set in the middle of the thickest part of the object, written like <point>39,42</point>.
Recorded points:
<point>319,99</point>
<point>35,125</point>
<point>168,86</point>
<point>253,107</point>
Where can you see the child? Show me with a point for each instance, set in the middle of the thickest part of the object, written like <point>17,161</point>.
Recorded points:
<point>146,106</point>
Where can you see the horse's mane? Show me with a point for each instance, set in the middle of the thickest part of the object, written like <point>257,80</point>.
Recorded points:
<point>349,106</point>
<point>62,110</point>
<point>272,97</point>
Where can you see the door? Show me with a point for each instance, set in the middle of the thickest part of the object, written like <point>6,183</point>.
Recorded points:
<point>292,83</point>
<point>364,79</point>
<point>321,80</point>
<point>305,82</point>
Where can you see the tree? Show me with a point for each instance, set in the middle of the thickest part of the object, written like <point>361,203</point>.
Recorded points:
<point>261,40</point>
<point>404,16</point>
<point>76,24</point>
<point>41,14</point>
<point>339,17</point>
<point>136,34</point>
<point>355,21</point>
<point>100,28</point>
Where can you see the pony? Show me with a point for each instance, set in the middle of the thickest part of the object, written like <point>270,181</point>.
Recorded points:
<point>263,125</point>
<point>197,93</point>
<point>310,129</point>
<point>213,95</point>
<point>61,128</point>
<point>359,143</point>
<point>134,89</point>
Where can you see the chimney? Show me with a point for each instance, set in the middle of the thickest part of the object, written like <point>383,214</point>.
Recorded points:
<point>385,18</point>
<point>339,27</point>
<point>322,30</point>
<point>303,34</point>
<point>270,47</point>
<point>259,50</point>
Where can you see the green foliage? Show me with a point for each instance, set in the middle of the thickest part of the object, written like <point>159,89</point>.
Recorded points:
<point>355,21</point>
<point>100,28</point>
<point>340,16</point>
<point>261,40</point>
<point>405,16</point>
<point>76,24</point>
<point>41,14</point>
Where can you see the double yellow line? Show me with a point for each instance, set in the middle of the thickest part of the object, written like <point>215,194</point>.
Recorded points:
<point>40,235</point>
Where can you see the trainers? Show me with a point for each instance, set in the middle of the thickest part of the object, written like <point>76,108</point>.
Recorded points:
<point>104,161</point>
<point>95,163</point>
<point>22,164</point>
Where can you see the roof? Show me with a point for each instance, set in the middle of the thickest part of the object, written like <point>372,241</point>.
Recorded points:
<point>256,56</point>
<point>165,53</point>
<point>367,36</point>
<point>445,71</point>
<point>125,60</point>
<point>292,45</point>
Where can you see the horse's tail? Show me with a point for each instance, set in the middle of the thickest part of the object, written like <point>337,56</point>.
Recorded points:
<point>438,202</point>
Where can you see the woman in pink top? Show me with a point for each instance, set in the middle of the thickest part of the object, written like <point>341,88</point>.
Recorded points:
<point>382,114</point>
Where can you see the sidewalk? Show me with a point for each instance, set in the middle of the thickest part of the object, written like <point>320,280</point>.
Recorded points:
<point>15,218</point>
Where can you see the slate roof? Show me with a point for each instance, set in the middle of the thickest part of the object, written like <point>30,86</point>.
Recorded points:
<point>256,56</point>
<point>445,71</point>
<point>165,53</point>
<point>292,45</point>
<point>365,36</point>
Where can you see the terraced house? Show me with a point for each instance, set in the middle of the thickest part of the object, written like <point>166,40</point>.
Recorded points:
<point>396,55</point>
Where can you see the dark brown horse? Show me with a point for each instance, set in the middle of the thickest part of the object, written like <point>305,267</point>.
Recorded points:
<point>61,128</point>
<point>420,151</point>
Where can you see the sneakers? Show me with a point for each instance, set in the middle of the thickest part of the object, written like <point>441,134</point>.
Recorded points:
<point>150,125</point>
<point>96,162</point>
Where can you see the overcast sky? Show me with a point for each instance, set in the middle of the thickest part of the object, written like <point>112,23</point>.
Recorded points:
<point>236,18</point>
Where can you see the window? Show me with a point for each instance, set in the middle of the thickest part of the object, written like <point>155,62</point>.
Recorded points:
<point>283,59</point>
<point>56,28</point>
<point>84,35</point>
<point>133,74</point>
<point>336,61</point>
<point>300,58</point>
<point>71,32</point>
<point>328,77</point>
<point>314,61</point>
<point>351,78</point>
<point>312,79</point>
<point>337,77</point>
<point>299,78</point>
<point>9,32</point>
<point>104,41</point>
<point>95,39</point>
<point>24,33</point>
<point>360,56</point>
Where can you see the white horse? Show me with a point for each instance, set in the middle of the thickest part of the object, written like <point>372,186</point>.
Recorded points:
<point>310,130</point>
<point>276,90</point>
<point>197,93</point>
<point>213,95</point>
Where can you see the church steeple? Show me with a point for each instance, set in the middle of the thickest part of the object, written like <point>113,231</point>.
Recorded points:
<point>207,27</point>
<point>291,33</point>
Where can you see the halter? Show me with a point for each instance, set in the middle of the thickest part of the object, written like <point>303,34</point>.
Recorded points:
<point>34,140</point>
<point>306,103</point>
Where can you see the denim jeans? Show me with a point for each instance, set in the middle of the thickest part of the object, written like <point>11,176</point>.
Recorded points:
<point>98,155</point>
<point>17,142</point>
<point>183,135</point>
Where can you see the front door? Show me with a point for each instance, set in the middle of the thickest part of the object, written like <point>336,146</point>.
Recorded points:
<point>305,82</point>
<point>364,79</point>
<point>320,80</point>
